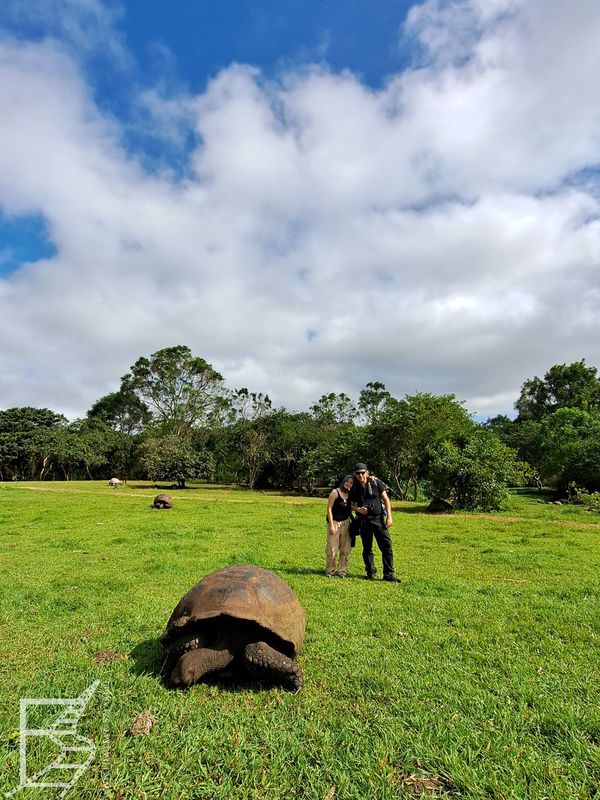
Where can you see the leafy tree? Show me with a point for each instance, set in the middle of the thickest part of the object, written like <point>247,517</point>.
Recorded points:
<point>564,386</point>
<point>331,456</point>
<point>170,457</point>
<point>372,400</point>
<point>335,444</point>
<point>251,406</point>
<point>502,426</point>
<point>406,433</point>
<point>333,408</point>
<point>79,447</point>
<point>243,446</point>
<point>474,473</point>
<point>123,411</point>
<point>255,451</point>
<point>290,435</point>
<point>127,416</point>
<point>25,438</point>
<point>570,447</point>
<point>182,392</point>
<point>247,448</point>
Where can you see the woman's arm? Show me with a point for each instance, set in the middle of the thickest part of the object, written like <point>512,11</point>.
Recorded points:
<point>330,502</point>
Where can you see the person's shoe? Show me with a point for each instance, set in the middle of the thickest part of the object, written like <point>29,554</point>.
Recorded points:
<point>392,579</point>
<point>369,577</point>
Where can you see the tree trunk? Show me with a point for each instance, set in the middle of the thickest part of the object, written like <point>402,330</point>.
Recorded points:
<point>415,484</point>
<point>46,467</point>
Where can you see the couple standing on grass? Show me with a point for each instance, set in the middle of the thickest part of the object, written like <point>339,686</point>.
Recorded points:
<point>365,495</point>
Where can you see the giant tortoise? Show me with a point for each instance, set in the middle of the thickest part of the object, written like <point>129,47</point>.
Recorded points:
<point>241,620</point>
<point>162,501</point>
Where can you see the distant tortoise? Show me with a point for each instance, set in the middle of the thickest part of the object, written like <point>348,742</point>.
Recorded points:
<point>163,501</point>
<point>439,506</point>
<point>242,618</point>
<point>114,482</point>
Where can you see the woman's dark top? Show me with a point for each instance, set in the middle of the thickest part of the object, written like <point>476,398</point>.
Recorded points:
<point>341,508</point>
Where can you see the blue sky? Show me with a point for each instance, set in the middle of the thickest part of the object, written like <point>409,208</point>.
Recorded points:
<point>180,47</point>
<point>279,185</point>
<point>24,238</point>
<point>205,37</point>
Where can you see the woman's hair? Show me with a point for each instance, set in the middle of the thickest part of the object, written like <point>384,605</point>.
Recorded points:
<point>346,478</point>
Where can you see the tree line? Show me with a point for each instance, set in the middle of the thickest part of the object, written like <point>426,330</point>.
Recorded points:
<point>174,419</point>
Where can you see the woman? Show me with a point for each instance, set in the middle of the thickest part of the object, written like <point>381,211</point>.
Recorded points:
<point>338,524</point>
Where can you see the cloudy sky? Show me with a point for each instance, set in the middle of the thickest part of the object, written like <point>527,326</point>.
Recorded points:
<point>310,195</point>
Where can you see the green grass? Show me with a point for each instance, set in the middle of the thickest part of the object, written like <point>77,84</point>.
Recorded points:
<point>477,677</point>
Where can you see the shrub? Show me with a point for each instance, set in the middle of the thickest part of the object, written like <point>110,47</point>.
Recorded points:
<point>474,473</point>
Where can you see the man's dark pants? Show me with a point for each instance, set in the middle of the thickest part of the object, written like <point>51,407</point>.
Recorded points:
<point>373,528</point>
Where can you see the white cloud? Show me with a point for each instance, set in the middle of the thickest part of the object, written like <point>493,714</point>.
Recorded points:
<point>430,234</point>
<point>85,28</point>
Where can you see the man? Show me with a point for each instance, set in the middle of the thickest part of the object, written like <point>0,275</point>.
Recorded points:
<point>369,497</point>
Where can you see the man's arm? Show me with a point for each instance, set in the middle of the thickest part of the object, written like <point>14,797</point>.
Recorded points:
<point>354,497</point>
<point>388,508</point>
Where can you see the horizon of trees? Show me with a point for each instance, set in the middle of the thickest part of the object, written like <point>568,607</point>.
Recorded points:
<point>173,419</point>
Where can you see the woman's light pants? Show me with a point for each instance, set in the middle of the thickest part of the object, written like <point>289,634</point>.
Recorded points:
<point>338,544</point>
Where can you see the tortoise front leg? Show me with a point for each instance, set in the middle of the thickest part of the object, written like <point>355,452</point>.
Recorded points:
<point>194,665</point>
<point>265,663</point>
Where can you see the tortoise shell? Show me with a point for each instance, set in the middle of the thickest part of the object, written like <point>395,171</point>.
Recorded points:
<point>163,501</point>
<point>242,592</point>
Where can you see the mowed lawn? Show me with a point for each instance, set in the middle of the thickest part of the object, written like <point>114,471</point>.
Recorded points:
<point>476,677</point>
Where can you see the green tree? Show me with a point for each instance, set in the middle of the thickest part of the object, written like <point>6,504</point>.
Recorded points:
<point>181,391</point>
<point>127,416</point>
<point>78,448</point>
<point>26,436</point>
<point>250,406</point>
<point>474,473</point>
<point>123,411</point>
<point>525,437</point>
<point>331,409</point>
<point>255,451</point>
<point>564,386</point>
<point>405,435</point>
<point>570,448</point>
<point>290,436</point>
<point>372,400</point>
<point>243,446</point>
<point>333,453</point>
<point>172,458</point>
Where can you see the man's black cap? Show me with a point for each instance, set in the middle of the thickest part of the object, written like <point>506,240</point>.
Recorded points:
<point>360,466</point>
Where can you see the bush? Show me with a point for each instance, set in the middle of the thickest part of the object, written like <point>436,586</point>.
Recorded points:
<point>474,474</point>
<point>591,500</point>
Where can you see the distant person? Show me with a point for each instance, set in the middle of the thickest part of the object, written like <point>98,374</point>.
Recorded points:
<point>368,499</point>
<point>338,534</point>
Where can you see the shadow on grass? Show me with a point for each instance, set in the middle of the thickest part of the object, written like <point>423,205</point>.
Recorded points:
<point>320,572</point>
<point>421,509</point>
<point>148,658</point>
<point>174,487</point>
<point>532,491</point>
<point>167,487</point>
<point>300,570</point>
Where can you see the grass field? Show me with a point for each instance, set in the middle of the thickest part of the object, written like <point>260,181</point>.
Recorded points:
<point>476,677</point>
